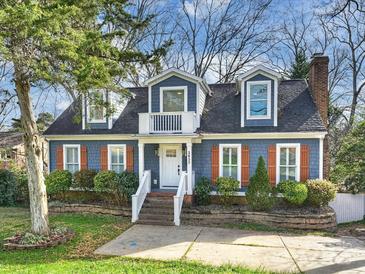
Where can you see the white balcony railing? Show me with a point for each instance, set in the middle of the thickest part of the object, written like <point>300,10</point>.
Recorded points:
<point>167,122</point>
<point>143,189</point>
<point>179,197</point>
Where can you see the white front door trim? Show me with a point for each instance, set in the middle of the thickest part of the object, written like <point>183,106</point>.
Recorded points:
<point>164,181</point>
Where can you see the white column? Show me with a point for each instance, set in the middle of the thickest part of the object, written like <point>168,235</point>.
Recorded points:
<point>320,158</point>
<point>140,159</point>
<point>189,165</point>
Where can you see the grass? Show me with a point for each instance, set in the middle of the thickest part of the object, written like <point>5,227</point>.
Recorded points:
<point>77,255</point>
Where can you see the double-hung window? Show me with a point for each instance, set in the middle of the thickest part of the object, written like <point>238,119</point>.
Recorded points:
<point>71,158</point>
<point>230,160</point>
<point>117,158</point>
<point>288,159</point>
<point>173,99</point>
<point>96,109</point>
<point>259,100</point>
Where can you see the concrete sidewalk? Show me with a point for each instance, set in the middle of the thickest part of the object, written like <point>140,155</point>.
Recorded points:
<point>217,246</point>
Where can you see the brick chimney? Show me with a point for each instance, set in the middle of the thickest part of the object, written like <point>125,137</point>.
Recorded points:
<point>318,84</point>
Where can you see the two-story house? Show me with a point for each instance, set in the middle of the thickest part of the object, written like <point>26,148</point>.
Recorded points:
<point>178,128</point>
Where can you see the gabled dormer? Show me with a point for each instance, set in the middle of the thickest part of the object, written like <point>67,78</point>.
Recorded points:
<point>259,97</point>
<point>101,108</point>
<point>175,103</point>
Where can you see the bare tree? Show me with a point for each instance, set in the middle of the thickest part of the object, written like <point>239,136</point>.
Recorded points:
<point>347,27</point>
<point>220,36</point>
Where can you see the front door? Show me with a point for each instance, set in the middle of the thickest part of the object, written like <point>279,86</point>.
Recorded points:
<point>170,165</point>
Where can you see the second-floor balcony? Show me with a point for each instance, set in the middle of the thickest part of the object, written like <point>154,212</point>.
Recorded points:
<point>168,123</point>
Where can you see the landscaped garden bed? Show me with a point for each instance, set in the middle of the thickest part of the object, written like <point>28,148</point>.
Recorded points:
<point>29,240</point>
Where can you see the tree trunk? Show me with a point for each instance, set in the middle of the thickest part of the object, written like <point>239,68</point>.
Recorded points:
<point>33,152</point>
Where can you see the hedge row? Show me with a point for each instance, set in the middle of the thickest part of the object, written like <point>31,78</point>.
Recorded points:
<point>122,185</point>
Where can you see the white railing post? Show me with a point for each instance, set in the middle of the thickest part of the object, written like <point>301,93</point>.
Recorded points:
<point>176,211</point>
<point>138,199</point>
<point>179,197</point>
<point>189,160</point>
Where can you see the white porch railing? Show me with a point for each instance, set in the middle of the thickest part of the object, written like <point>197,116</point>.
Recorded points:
<point>167,122</point>
<point>143,189</point>
<point>179,197</point>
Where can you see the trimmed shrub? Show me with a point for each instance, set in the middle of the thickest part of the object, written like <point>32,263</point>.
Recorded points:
<point>226,187</point>
<point>127,184</point>
<point>22,191</point>
<point>294,193</point>
<point>202,191</point>
<point>84,179</point>
<point>105,181</point>
<point>320,192</point>
<point>58,182</point>
<point>7,188</point>
<point>259,193</point>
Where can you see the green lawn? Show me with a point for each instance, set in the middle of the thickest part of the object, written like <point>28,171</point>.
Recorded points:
<point>77,255</point>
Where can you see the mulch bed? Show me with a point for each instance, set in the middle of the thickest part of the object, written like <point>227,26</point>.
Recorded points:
<point>13,243</point>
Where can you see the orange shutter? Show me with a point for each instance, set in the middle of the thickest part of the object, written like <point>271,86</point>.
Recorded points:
<point>83,157</point>
<point>245,165</point>
<point>59,158</point>
<point>104,158</point>
<point>130,159</point>
<point>304,163</point>
<point>215,163</point>
<point>271,164</point>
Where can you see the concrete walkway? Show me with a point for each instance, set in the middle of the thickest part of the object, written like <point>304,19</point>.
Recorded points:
<point>217,246</point>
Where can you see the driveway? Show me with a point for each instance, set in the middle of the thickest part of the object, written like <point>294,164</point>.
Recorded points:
<point>216,246</point>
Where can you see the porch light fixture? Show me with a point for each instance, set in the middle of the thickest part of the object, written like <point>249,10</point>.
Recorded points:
<point>157,152</point>
<point>184,152</point>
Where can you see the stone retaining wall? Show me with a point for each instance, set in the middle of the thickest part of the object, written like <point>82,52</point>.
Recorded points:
<point>293,220</point>
<point>89,208</point>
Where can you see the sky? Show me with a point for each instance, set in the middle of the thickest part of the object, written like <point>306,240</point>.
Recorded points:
<point>57,102</point>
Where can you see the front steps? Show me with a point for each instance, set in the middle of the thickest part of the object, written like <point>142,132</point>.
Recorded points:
<point>157,209</point>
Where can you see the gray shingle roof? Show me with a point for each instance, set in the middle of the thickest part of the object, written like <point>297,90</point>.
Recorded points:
<point>9,139</point>
<point>297,113</point>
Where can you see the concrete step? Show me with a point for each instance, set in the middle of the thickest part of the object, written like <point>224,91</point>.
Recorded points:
<point>157,204</point>
<point>147,216</point>
<point>161,194</point>
<point>160,199</point>
<point>157,211</point>
<point>155,222</point>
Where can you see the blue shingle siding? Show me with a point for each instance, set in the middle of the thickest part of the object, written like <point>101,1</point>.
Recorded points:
<point>93,152</point>
<point>94,125</point>
<point>171,82</point>
<point>152,162</point>
<point>261,122</point>
<point>202,154</point>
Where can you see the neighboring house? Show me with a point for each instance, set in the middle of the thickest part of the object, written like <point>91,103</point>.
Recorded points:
<point>11,149</point>
<point>180,128</point>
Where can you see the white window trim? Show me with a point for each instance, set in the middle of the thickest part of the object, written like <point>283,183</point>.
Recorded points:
<point>297,159</point>
<point>64,154</point>
<point>184,88</point>
<point>124,155</point>
<point>238,146</point>
<point>95,121</point>
<point>248,101</point>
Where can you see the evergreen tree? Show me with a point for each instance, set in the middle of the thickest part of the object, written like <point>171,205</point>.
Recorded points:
<point>259,192</point>
<point>300,67</point>
<point>349,171</point>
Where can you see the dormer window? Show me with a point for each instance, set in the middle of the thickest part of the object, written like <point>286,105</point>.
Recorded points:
<point>95,109</point>
<point>259,100</point>
<point>173,99</point>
